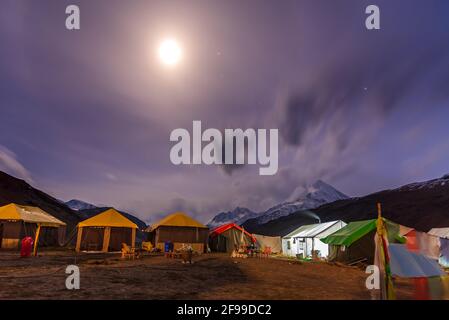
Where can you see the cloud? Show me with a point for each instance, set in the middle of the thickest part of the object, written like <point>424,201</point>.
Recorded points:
<point>418,166</point>
<point>362,81</point>
<point>332,120</point>
<point>111,176</point>
<point>11,165</point>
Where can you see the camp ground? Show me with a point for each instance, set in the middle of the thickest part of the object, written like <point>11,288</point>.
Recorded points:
<point>18,222</point>
<point>354,242</point>
<point>229,237</point>
<point>106,231</point>
<point>180,230</point>
<point>104,247</point>
<point>306,242</point>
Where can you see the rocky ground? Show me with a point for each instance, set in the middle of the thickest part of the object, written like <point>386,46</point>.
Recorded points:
<point>211,276</point>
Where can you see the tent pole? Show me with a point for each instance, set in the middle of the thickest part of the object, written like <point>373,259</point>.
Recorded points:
<point>313,245</point>
<point>106,239</point>
<point>133,237</point>
<point>305,249</point>
<point>78,239</point>
<point>36,239</point>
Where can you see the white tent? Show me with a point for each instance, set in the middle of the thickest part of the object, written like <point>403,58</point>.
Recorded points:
<point>306,239</point>
<point>440,232</point>
<point>443,235</point>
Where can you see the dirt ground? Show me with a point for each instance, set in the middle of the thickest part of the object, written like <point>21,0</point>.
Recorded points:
<point>211,276</point>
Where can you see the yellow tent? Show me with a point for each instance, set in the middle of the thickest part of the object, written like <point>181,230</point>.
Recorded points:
<point>12,216</point>
<point>110,228</point>
<point>179,229</point>
<point>177,219</point>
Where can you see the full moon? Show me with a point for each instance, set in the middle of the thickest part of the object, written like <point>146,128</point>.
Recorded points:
<point>170,52</point>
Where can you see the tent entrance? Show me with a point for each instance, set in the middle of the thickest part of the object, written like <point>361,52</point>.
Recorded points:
<point>235,239</point>
<point>104,238</point>
<point>119,236</point>
<point>218,243</point>
<point>92,239</point>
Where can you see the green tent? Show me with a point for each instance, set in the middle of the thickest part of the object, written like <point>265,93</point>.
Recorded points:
<point>356,240</point>
<point>353,231</point>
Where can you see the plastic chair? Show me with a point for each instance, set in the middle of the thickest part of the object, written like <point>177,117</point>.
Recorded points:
<point>128,252</point>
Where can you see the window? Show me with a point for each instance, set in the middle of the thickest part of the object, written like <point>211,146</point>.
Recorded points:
<point>288,245</point>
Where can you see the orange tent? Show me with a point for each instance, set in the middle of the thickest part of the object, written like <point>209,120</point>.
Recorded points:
<point>179,229</point>
<point>105,232</point>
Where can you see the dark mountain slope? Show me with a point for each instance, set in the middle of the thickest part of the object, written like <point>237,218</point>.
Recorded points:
<point>421,206</point>
<point>20,192</point>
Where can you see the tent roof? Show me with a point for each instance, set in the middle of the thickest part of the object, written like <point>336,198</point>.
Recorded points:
<point>407,264</point>
<point>313,230</point>
<point>300,229</point>
<point>29,214</point>
<point>352,232</point>
<point>440,232</point>
<point>177,219</point>
<point>225,227</point>
<point>108,218</point>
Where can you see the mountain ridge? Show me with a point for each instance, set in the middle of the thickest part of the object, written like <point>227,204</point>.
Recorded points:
<point>305,197</point>
<point>420,205</point>
<point>14,190</point>
<point>78,205</point>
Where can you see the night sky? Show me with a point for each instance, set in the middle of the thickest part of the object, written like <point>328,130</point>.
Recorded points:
<point>87,114</point>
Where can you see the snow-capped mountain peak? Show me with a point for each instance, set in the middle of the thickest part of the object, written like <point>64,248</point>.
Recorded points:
<point>77,205</point>
<point>430,184</point>
<point>239,215</point>
<point>308,197</point>
<point>321,191</point>
<point>302,198</point>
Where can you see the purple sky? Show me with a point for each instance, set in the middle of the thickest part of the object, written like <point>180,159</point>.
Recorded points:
<point>87,114</point>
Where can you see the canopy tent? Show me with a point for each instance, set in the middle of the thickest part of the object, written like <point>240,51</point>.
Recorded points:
<point>18,221</point>
<point>105,232</point>
<point>228,237</point>
<point>275,243</point>
<point>355,240</point>
<point>306,240</point>
<point>443,235</point>
<point>179,229</point>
